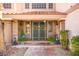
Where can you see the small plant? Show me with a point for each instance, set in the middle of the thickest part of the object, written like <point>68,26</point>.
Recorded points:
<point>75,45</point>
<point>22,37</point>
<point>64,39</point>
<point>52,39</point>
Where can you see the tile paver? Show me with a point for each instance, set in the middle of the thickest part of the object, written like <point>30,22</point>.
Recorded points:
<point>45,51</point>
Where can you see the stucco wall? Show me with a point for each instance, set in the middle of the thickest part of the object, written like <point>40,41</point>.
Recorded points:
<point>0,14</point>
<point>20,8</point>
<point>9,10</point>
<point>72,23</point>
<point>62,7</point>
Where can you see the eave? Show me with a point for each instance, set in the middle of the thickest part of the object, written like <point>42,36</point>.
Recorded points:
<point>36,15</point>
<point>73,8</point>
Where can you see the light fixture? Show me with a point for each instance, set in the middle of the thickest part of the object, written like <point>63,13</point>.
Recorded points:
<point>44,21</point>
<point>28,25</point>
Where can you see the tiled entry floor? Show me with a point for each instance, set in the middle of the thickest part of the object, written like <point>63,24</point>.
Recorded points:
<point>45,51</point>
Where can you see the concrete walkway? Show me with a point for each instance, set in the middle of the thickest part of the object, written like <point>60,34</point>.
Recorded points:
<point>45,51</point>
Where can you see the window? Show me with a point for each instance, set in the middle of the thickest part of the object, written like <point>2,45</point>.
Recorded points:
<point>38,5</point>
<point>26,5</point>
<point>7,5</point>
<point>50,5</point>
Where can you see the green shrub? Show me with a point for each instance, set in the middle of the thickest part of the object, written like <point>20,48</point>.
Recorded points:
<point>22,37</point>
<point>52,39</point>
<point>75,45</point>
<point>64,39</point>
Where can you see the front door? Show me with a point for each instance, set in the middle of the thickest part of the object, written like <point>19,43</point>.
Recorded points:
<point>39,31</point>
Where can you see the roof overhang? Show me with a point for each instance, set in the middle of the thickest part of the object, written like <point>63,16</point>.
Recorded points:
<point>41,15</point>
<point>73,8</point>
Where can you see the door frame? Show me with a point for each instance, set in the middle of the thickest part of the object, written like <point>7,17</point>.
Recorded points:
<point>38,30</point>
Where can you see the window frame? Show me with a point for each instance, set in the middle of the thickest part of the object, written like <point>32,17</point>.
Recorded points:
<point>38,5</point>
<point>50,5</point>
<point>27,5</point>
<point>7,5</point>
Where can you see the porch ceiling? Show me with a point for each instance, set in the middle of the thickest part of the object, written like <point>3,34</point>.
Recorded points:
<point>39,15</point>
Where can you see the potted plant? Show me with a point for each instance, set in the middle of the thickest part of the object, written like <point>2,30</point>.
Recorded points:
<point>51,40</point>
<point>64,39</point>
<point>22,37</point>
<point>75,45</point>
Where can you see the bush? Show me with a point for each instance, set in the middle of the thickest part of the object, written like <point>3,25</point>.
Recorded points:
<point>75,45</point>
<point>52,39</point>
<point>64,39</point>
<point>22,37</point>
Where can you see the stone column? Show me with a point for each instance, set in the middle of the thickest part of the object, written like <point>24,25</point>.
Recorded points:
<point>62,25</point>
<point>15,30</point>
<point>2,44</point>
<point>29,30</point>
<point>47,29</point>
<point>54,28</point>
<point>58,29</point>
<point>24,27</point>
<point>7,32</point>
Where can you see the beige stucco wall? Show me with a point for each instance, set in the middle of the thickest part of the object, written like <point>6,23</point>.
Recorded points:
<point>62,7</point>
<point>12,10</point>
<point>72,23</point>
<point>53,32</point>
<point>0,14</point>
<point>20,8</point>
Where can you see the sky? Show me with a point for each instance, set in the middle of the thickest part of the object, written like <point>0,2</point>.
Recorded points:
<point>39,1</point>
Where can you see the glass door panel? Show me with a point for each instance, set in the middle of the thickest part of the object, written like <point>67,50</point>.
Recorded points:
<point>35,31</point>
<point>39,31</point>
<point>42,33</point>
